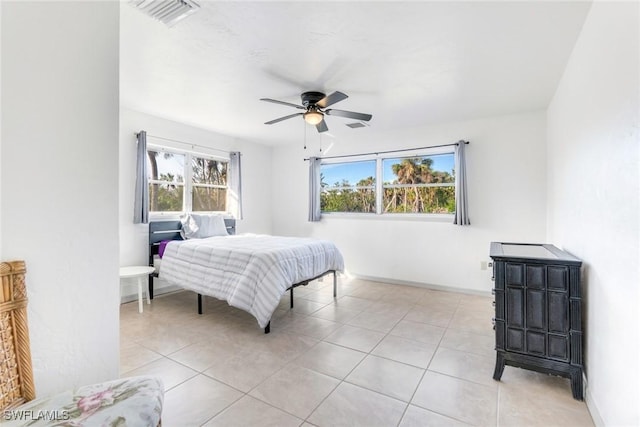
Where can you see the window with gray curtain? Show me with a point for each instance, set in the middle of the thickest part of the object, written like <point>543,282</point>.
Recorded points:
<point>431,181</point>
<point>314,189</point>
<point>186,181</point>
<point>141,201</point>
<point>390,184</point>
<point>462,205</point>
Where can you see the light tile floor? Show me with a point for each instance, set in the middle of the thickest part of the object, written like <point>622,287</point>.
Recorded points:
<point>378,355</point>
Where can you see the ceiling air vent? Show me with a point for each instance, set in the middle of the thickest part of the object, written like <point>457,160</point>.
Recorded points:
<point>167,11</point>
<point>356,125</point>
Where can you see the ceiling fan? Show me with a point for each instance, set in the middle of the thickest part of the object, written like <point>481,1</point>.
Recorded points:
<point>315,104</point>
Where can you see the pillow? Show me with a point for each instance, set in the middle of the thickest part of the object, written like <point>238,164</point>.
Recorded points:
<point>215,226</point>
<point>190,226</point>
<point>196,226</point>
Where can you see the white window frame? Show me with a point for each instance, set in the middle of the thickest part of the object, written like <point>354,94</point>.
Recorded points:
<point>188,185</point>
<point>379,186</point>
<point>355,187</point>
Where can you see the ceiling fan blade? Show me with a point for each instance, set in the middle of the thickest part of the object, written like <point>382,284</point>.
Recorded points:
<point>331,99</point>
<point>349,114</point>
<point>275,101</point>
<point>322,126</point>
<point>282,118</point>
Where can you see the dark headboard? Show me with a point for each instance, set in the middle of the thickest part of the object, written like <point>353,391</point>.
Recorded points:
<point>170,230</point>
<point>164,230</point>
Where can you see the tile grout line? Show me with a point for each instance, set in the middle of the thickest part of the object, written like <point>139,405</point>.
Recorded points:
<point>307,315</point>
<point>424,374</point>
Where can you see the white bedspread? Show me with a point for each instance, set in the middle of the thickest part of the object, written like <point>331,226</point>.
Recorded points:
<point>249,271</point>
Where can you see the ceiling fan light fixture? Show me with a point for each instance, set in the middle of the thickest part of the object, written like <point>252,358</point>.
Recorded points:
<point>313,117</point>
<point>315,106</point>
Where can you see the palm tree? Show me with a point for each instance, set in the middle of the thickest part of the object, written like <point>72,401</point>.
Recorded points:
<point>367,198</point>
<point>153,190</point>
<point>163,197</point>
<point>409,171</point>
<point>208,171</point>
<point>413,171</point>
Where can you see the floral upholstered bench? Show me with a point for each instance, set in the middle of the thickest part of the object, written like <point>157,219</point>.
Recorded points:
<point>135,401</point>
<point>127,402</point>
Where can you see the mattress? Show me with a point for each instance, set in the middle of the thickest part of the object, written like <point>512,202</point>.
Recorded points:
<point>249,271</point>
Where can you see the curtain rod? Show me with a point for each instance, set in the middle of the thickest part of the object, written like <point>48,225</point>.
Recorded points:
<point>391,151</point>
<point>185,143</point>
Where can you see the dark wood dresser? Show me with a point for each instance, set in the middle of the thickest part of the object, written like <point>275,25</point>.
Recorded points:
<point>538,310</point>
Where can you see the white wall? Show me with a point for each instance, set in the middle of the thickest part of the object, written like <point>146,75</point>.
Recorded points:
<point>1,135</point>
<point>256,179</point>
<point>594,191</point>
<point>506,178</point>
<point>59,181</point>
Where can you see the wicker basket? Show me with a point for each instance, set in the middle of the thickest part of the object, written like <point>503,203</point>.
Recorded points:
<point>16,375</point>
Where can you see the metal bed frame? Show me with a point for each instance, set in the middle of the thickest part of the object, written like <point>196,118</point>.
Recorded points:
<point>170,230</point>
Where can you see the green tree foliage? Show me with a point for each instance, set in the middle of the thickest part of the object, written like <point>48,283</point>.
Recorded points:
<point>209,179</point>
<point>166,196</point>
<point>412,191</point>
<point>205,173</point>
<point>408,192</point>
<point>343,197</point>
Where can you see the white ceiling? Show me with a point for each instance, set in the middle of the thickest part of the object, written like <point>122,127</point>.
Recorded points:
<point>407,63</point>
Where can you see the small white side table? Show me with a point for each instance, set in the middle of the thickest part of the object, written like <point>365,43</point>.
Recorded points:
<point>139,272</point>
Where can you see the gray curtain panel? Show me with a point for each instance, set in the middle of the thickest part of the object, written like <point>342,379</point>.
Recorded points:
<point>462,205</point>
<point>314,189</point>
<point>235,182</point>
<point>141,201</point>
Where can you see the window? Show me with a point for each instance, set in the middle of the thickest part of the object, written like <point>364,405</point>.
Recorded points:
<point>209,190</point>
<point>424,184</point>
<point>186,182</point>
<point>166,181</point>
<point>419,184</point>
<point>348,187</point>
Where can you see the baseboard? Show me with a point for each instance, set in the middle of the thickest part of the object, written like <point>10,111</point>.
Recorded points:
<point>420,285</point>
<point>157,291</point>
<point>160,290</point>
<point>591,404</point>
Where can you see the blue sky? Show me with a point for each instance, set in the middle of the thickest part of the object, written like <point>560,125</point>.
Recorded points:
<point>174,165</point>
<point>355,171</point>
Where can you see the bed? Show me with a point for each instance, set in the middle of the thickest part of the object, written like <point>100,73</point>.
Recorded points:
<point>250,271</point>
